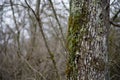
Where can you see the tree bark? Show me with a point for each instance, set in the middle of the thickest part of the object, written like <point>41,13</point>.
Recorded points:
<point>87,40</point>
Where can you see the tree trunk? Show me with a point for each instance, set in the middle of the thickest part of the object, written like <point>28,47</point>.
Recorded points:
<point>87,40</point>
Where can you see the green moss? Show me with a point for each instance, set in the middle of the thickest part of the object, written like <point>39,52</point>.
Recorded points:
<point>76,30</point>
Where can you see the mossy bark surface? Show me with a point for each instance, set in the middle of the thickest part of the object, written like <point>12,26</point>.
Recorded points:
<point>87,39</point>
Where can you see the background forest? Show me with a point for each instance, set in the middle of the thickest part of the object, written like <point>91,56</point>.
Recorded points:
<point>33,38</point>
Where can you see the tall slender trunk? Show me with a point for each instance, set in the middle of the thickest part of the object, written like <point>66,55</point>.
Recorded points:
<point>87,40</point>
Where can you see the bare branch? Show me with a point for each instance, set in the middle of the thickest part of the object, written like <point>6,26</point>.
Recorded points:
<point>115,24</point>
<point>113,19</point>
<point>45,41</point>
<point>55,14</point>
<point>28,64</point>
<point>115,16</point>
<point>65,5</point>
<point>14,18</point>
<point>18,31</point>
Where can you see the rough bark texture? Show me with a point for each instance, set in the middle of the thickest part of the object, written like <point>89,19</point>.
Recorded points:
<point>87,40</point>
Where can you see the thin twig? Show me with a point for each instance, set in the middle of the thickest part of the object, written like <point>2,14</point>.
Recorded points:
<point>45,41</point>
<point>18,33</point>
<point>115,24</point>
<point>28,64</point>
<point>20,56</point>
<point>65,5</point>
<point>113,19</point>
<point>115,16</point>
<point>55,14</point>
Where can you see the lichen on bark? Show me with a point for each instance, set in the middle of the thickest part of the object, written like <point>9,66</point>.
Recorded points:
<point>76,30</point>
<point>87,36</point>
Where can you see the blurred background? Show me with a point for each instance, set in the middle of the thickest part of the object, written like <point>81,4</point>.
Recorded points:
<point>33,36</point>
